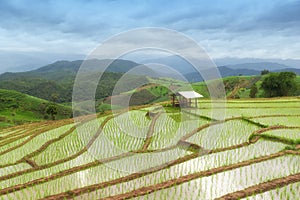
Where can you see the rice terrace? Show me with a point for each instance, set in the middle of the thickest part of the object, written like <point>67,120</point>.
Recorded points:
<point>46,160</point>
<point>149,100</point>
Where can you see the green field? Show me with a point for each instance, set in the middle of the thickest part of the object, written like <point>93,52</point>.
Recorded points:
<point>18,108</point>
<point>173,155</point>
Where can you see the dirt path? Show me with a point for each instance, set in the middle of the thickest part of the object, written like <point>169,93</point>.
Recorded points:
<point>150,131</point>
<point>31,163</point>
<point>242,84</point>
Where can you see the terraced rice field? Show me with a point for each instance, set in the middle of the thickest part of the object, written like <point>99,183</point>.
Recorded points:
<point>253,153</point>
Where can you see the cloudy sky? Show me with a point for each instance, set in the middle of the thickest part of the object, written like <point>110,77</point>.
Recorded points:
<point>36,32</point>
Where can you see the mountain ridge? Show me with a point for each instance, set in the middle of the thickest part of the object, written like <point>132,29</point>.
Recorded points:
<point>58,77</point>
<point>67,70</point>
<point>123,66</point>
<point>259,66</point>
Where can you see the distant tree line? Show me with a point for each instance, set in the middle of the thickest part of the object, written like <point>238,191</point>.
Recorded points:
<point>44,88</point>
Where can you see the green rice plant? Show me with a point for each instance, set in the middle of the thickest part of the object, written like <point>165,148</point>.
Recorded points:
<point>224,135</point>
<point>68,165</point>
<point>92,175</point>
<point>168,132</point>
<point>272,121</point>
<point>32,145</point>
<point>69,145</point>
<point>217,185</point>
<point>292,135</point>
<point>202,163</point>
<point>14,168</point>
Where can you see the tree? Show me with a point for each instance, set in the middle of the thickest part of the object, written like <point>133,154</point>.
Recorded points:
<point>279,84</point>
<point>51,110</point>
<point>54,97</point>
<point>253,91</point>
<point>264,72</point>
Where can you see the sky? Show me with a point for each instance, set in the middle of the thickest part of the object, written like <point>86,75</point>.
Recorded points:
<point>38,32</point>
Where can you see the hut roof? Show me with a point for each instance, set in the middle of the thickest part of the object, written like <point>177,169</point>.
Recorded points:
<point>190,94</point>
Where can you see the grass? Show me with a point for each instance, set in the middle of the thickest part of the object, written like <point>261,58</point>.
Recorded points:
<point>17,108</point>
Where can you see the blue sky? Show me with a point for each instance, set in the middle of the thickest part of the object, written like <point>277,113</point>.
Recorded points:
<point>34,32</point>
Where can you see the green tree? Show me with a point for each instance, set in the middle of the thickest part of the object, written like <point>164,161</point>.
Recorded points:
<point>52,110</point>
<point>253,91</point>
<point>279,84</point>
<point>54,97</point>
<point>264,72</point>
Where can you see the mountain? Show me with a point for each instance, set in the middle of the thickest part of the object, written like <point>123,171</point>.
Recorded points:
<point>175,62</point>
<point>117,65</point>
<point>60,69</point>
<point>26,61</point>
<point>58,78</point>
<point>227,71</point>
<point>293,63</point>
<point>259,66</point>
<point>227,67</point>
<point>224,72</point>
<point>249,63</point>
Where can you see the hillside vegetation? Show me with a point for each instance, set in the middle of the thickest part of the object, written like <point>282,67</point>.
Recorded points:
<point>18,108</point>
<point>58,78</point>
<point>237,87</point>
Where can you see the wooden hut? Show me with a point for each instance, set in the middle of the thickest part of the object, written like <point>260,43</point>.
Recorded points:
<point>185,98</point>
